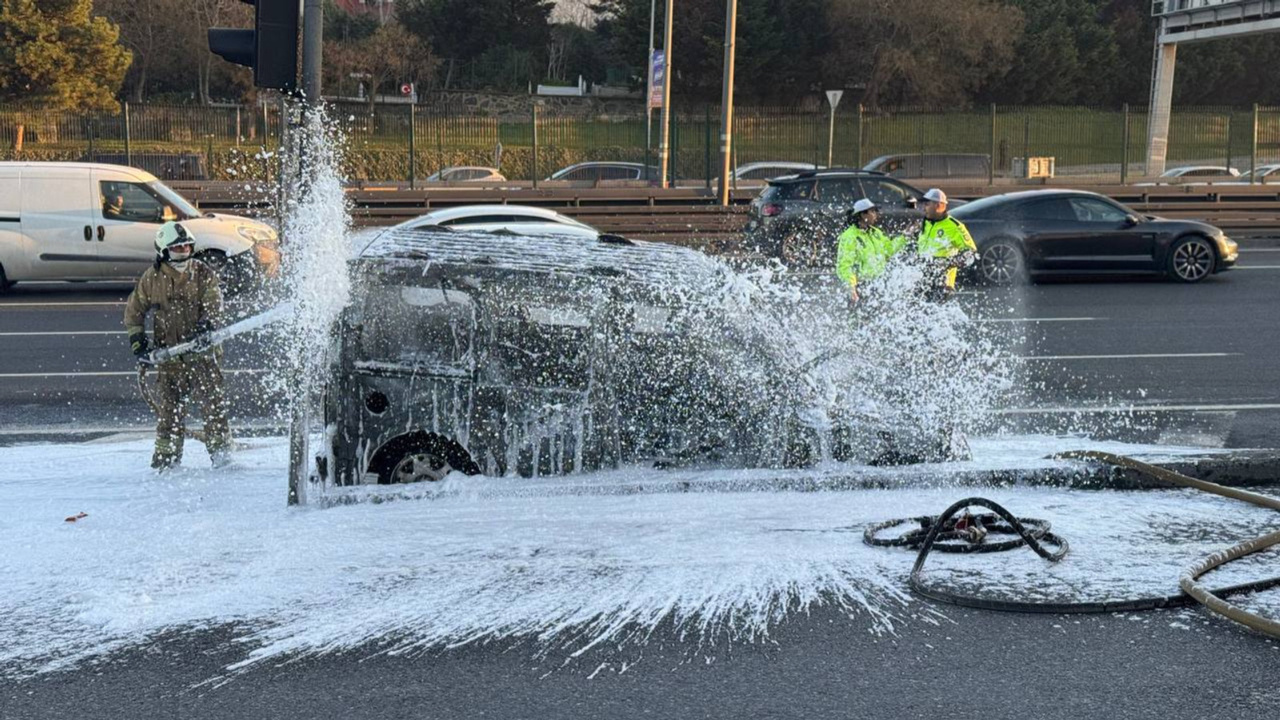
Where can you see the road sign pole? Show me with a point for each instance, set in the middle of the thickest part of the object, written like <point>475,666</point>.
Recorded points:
<point>833,99</point>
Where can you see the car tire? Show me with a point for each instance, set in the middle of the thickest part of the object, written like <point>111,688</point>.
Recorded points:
<point>420,456</point>
<point>1002,264</point>
<point>1191,259</point>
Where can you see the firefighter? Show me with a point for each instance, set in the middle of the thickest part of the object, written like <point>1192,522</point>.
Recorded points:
<point>864,249</point>
<point>183,297</point>
<point>944,243</point>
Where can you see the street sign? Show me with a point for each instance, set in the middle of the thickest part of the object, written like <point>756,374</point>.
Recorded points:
<point>657,71</point>
<point>833,97</point>
<point>406,89</point>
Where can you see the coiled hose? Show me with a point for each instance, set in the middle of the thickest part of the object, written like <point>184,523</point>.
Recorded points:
<point>935,531</point>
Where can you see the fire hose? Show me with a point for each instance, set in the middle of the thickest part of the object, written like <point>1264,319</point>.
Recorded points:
<point>957,530</point>
<point>203,343</point>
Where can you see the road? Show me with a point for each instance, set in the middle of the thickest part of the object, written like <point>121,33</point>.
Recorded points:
<point>1194,363</point>
<point>1197,362</point>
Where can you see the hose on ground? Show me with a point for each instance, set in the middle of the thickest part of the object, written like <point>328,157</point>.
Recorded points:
<point>958,531</point>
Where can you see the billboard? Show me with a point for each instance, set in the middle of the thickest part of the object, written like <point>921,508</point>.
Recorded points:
<point>657,74</point>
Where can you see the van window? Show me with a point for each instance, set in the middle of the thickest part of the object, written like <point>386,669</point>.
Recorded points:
<point>133,202</point>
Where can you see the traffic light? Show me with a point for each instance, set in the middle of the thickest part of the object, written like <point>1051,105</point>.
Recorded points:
<point>270,48</point>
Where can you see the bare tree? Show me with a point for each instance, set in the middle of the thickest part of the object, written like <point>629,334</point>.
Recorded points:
<point>146,29</point>
<point>390,55</point>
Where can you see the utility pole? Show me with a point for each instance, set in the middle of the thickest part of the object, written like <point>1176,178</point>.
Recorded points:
<point>726,101</point>
<point>664,147</point>
<point>648,85</point>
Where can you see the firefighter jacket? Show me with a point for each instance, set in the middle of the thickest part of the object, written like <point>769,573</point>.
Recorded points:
<point>186,303</point>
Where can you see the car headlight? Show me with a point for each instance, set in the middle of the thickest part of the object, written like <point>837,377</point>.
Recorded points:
<point>267,253</point>
<point>256,234</point>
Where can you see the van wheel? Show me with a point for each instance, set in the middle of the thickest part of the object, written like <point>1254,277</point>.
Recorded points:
<point>213,258</point>
<point>419,457</point>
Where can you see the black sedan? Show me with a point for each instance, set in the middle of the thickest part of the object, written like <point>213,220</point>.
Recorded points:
<point>1057,232</point>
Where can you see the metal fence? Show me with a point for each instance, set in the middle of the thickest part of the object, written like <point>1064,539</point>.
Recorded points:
<point>405,142</point>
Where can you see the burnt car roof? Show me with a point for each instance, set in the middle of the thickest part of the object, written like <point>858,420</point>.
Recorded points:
<point>608,255</point>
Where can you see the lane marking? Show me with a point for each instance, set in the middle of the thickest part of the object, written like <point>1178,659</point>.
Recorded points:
<point>1143,356</point>
<point>61,304</point>
<point>1061,410</point>
<point>107,373</point>
<point>1256,267</point>
<point>63,332</point>
<point>1040,320</point>
<point>1250,250</point>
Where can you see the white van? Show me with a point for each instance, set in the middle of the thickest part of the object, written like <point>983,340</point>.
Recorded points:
<point>89,221</point>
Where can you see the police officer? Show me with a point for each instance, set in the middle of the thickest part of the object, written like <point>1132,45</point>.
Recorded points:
<point>183,297</point>
<point>945,243</point>
<point>864,249</point>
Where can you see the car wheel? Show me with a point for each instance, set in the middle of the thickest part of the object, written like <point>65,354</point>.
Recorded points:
<point>419,466</point>
<point>1001,263</point>
<point>1191,260</point>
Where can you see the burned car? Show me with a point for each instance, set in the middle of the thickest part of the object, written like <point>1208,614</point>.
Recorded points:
<point>487,352</point>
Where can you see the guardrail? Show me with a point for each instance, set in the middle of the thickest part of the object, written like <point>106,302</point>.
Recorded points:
<point>691,216</point>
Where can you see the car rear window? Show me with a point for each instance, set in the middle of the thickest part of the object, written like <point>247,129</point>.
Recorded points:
<point>782,192</point>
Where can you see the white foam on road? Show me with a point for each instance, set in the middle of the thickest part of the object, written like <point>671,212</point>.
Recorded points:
<point>198,549</point>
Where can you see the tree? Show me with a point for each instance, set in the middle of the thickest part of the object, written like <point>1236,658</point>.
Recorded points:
<point>918,51</point>
<point>466,29</point>
<point>778,45</point>
<point>145,28</point>
<point>57,54</point>
<point>1068,55</point>
<point>391,55</point>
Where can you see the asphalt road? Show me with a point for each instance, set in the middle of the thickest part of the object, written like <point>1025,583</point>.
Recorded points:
<point>1140,359</point>
<point>1197,361</point>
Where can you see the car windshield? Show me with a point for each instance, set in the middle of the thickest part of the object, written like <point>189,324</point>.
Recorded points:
<point>184,209</point>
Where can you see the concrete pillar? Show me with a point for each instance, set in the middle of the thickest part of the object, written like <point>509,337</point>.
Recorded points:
<point>1166,56</point>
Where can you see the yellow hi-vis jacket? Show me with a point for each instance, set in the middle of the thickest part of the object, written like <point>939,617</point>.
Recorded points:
<point>865,253</point>
<point>944,238</point>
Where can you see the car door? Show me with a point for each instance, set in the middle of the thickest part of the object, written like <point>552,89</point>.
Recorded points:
<point>58,222</point>
<point>836,197</point>
<point>1049,230</point>
<point>128,215</point>
<point>1112,238</point>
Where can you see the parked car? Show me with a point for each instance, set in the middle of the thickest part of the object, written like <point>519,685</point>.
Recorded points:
<point>517,219</point>
<point>1046,232</point>
<point>1261,174</point>
<point>1200,171</point>
<point>87,221</point>
<point>932,165</point>
<point>769,170</point>
<point>467,173</point>
<point>597,171</point>
<point>797,218</point>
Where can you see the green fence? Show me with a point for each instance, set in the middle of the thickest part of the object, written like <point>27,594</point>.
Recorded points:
<point>1107,144</point>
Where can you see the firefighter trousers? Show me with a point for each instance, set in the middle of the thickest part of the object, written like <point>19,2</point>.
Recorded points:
<point>178,381</point>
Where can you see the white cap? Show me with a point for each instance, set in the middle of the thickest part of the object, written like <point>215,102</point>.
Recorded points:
<point>862,206</point>
<point>935,195</point>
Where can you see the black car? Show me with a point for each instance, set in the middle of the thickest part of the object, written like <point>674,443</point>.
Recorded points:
<point>1046,232</point>
<point>798,217</point>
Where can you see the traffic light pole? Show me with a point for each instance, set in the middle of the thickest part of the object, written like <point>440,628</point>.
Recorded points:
<point>312,43</point>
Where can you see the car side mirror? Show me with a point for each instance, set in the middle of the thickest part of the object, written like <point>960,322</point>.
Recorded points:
<point>912,203</point>
<point>1131,220</point>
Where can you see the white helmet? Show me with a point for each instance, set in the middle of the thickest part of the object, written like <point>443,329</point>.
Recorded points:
<point>172,234</point>
<point>935,195</point>
<point>862,206</point>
